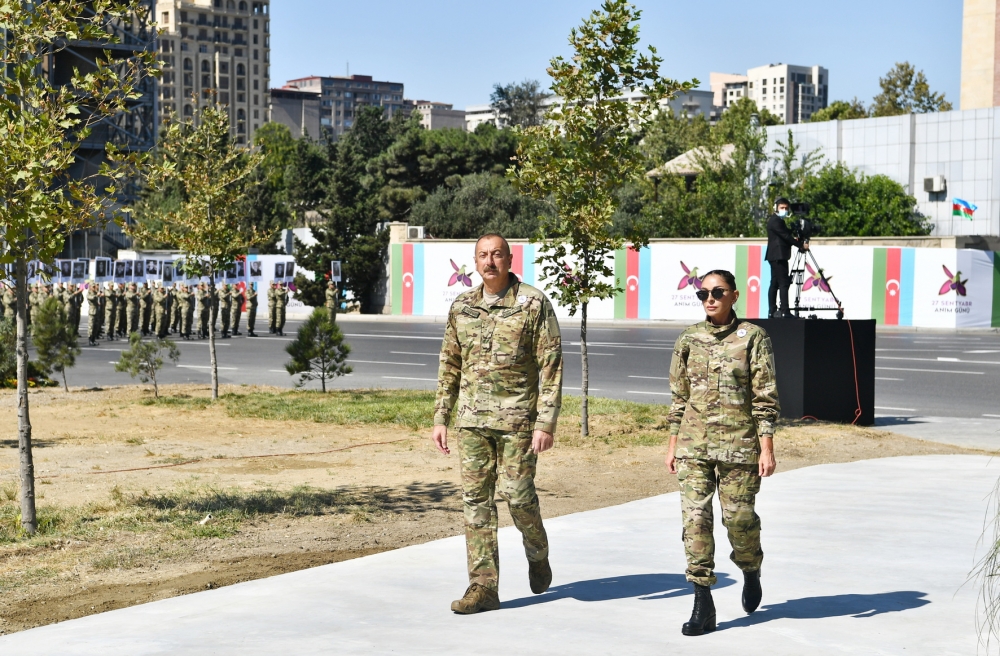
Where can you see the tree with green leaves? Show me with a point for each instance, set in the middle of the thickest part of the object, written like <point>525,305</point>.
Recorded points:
<point>850,203</point>
<point>585,152</point>
<point>143,359</point>
<point>791,169</point>
<point>318,351</point>
<point>55,339</point>
<point>213,175</point>
<point>518,103</point>
<point>668,135</point>
<point>473,205</point>
<point>905,90</point>
<point>840,110</point>
<point>41,127</point>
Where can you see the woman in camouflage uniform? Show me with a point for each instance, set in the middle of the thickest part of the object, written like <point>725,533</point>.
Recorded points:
<point>725,402</point>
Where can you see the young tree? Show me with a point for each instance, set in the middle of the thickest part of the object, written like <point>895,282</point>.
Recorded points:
<point>791,169</point>
<point>144,359</point>
<point>585,152</point>
<point>319,351</point>
<point>213,175</point>
<point>905,90</point>
<point>42,202</point>
<point>54,339</point>
<point>518,103</point>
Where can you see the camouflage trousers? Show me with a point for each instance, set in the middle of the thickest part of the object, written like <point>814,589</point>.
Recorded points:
<point>738,485</point>
<point>496,462</point>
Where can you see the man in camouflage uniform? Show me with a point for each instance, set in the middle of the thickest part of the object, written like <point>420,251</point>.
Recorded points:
<point>132,308</point>
<point>110,311</point>
<point>121,327</point>
<point>236,294</point>
<point>724,405</point>
<point>160,300</point>
<point>251,294</point>
<point>93,307</point>
<point>331,300</point>
<point>146,307</point>
<point>272,308</point>
<point>281,296</point>
<point>74,305</point>
<point>500,381</point>
<point>176,308</point>
<point>204,309</point>
<point>225,306</point>
<point>186,299</point>
<point>10,301</point>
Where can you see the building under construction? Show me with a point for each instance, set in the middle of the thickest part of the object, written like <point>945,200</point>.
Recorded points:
<point>134,129</point>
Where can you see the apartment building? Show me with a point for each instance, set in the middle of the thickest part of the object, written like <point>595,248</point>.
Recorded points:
<point>793,93</point>
<point>341,98</point>
<point>216,51</point>
<point>439,116</point>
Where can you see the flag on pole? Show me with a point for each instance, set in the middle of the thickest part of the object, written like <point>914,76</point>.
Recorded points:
<point>962,208</point>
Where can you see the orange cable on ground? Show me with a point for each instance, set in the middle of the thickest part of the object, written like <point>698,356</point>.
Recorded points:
<point>265,455</point>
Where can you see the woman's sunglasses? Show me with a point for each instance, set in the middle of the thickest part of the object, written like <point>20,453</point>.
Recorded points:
<point>717,294</point>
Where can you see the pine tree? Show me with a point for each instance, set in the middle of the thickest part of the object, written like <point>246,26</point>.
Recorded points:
<point>319,351</point>
<point>144,359</point>
<point>54,339</point>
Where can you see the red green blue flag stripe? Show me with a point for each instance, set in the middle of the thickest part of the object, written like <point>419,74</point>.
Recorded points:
<point>962,208</point>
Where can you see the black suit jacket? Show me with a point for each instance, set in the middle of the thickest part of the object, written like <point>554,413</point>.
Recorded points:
<point>779,240</point>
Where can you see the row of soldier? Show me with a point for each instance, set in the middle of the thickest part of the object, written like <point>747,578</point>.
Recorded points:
<point>116,310</point>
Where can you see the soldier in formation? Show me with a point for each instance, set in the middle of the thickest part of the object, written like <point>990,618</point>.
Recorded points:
<point>132,308</point>
<point>176,309</point>
<point>73,304</point>
<point>94,296</point>
<point>10,302</point>
<point>332,300</point>
<point>724,405</point>
<point>160,316</point>
<point>237,309</point>
<point>122,326</point>
<point>280,303</point>
<point>500,385</point>
<point>225,305</point>
<point>251,296</point>
<point>146,307</point>
<point>204,309</point>
<point>272,308</point>
<point>110,311</point>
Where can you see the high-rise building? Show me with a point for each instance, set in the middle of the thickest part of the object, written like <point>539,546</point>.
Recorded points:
<point>133,129</point>
<point>980,54</point>
<point>298,110</point>
<point>341,98</point>
<point>793,93</point>
<point>216,51</point>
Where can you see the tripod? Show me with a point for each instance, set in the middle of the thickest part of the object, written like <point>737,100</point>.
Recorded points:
<point>798,271</point>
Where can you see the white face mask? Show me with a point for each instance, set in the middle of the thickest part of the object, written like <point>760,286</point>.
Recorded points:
<point>782,213</point>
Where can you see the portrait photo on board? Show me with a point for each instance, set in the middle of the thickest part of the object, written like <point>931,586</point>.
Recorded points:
<point>279,270</point>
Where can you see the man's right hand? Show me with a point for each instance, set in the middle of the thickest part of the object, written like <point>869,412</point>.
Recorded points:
<point>440,439</point>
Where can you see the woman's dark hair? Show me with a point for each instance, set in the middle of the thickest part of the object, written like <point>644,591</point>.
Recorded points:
<point>725,275</point>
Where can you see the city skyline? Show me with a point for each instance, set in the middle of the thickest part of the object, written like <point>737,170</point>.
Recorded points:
<point>452,55</point>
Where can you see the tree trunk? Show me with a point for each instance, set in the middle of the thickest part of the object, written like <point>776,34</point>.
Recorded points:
<point>211,338</point>
<point>585,383</point>
<point>65,384</point>
<point>27,467</point>
<point>152,377</point>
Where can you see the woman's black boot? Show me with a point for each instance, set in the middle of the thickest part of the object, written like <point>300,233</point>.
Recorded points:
<point>703,616</point>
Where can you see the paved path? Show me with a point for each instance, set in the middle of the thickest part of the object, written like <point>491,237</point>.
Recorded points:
<point>862,558</point>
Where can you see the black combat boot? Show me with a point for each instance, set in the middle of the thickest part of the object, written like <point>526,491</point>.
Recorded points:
<point>751,591</point>
<point>703,616</point>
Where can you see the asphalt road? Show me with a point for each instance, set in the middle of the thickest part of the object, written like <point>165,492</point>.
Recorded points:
<point>935,374</point>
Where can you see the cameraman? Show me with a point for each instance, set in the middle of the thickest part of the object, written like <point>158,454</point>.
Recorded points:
<point>779,250</point>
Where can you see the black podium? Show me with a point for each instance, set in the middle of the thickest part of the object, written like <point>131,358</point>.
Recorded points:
<point>820,375</point>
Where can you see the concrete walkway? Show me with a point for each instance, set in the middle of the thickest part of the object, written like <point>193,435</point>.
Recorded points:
<point>862,558</point>
<point>981,433</point>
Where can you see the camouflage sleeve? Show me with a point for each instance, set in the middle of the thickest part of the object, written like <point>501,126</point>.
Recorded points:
<point>548,358</point>
<point>449,374</point>
<point>764,386</point>
<point>680,386</point>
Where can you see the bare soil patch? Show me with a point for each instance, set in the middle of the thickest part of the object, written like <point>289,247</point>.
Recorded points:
<point>141,500</point>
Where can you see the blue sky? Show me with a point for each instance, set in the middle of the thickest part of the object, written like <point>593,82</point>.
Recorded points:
<point>452,51</point>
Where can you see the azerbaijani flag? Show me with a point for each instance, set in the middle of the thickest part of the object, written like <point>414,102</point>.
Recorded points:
<point>962,208</point>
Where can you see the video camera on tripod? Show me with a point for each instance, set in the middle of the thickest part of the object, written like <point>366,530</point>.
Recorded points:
<point>805,228</point>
